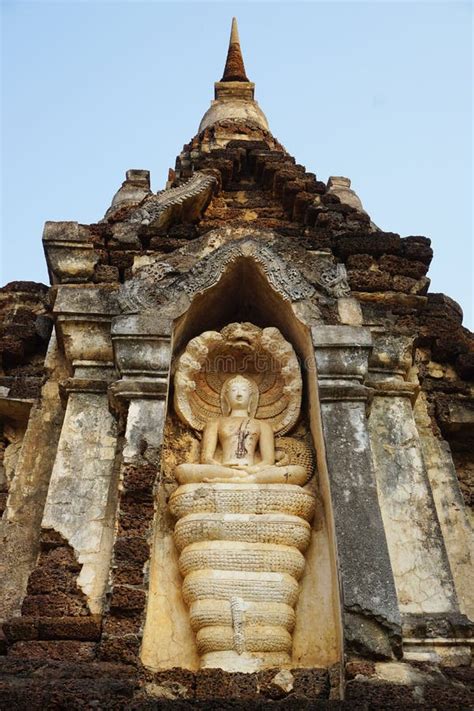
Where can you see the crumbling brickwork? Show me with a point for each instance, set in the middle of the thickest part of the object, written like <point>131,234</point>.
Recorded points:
<point>124,619</point>
<point>24,334</point>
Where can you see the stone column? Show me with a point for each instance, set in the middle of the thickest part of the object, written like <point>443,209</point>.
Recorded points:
<point>79,505</point>
<point>419,561</point>
<point>82,492</point>
<point>452,512</point>
<point>371,619</point>
<point>142,346</point>
<point>417,549</point>
<point>61,613</point>
<point>21,523</point>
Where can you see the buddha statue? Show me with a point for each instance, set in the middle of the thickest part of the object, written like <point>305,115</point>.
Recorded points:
<point>243,511</point>
<point>237,447</point>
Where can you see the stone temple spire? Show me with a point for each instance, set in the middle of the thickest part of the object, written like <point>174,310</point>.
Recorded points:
<point>234,67</point>
<point>234,93</point>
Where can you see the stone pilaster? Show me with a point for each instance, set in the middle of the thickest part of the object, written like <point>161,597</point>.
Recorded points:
<point>453,514</point>
<point>82,491</point>
<point>61,613</point>
<point>20,527</point>
<point>142,347</point>
<point>371,619</point>
<point>79,504</point>
<point>417,549</point>
<point>70,252</point>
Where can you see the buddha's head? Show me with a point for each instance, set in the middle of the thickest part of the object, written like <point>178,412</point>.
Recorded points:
<point>239,393</point>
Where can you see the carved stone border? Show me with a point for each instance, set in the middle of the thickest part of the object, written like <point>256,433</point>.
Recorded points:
<point>154,285</point>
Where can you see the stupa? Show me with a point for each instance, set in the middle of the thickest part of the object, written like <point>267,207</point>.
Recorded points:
<point>237,446</point>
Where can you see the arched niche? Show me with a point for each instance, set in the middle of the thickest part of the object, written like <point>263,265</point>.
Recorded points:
<point>243,293</point>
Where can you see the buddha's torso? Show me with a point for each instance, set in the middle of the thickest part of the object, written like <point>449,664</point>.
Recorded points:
<point>238,438</point>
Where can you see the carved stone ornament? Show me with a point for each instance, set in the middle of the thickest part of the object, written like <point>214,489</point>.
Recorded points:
<point>243,514</point>
<point>193,194</point>
<point>157,284</point>
<point>334,280</point>
<point>261,354</point>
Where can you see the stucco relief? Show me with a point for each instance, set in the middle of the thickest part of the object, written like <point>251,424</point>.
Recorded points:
<point>159,209</point>
<point>165,282</point>
<point>243,514</point>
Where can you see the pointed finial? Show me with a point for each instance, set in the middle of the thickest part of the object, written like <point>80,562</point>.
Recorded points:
<point>234,67</point>
<point>234,93</point>
<point>234,32</point>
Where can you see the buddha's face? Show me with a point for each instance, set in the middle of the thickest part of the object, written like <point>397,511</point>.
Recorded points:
<point>238,393</point>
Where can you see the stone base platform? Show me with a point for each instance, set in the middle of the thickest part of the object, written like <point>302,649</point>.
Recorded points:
<point>42,684</point>
<point>45,684</point>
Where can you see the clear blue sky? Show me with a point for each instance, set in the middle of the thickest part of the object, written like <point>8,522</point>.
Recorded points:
<point>379,92</point>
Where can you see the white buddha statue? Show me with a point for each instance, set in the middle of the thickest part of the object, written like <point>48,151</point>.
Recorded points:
<point>237,447</point>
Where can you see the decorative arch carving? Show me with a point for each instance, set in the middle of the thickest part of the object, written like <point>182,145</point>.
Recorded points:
<point>160,285</point>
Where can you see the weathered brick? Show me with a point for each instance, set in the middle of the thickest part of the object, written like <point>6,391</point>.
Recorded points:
<point>59,650</point>
<point>74,628</point>
<point>126,598</point>
<point>21,628</point>
<point>133,551</point>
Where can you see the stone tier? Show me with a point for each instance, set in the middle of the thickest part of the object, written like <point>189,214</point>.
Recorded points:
<point>241,555</point>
